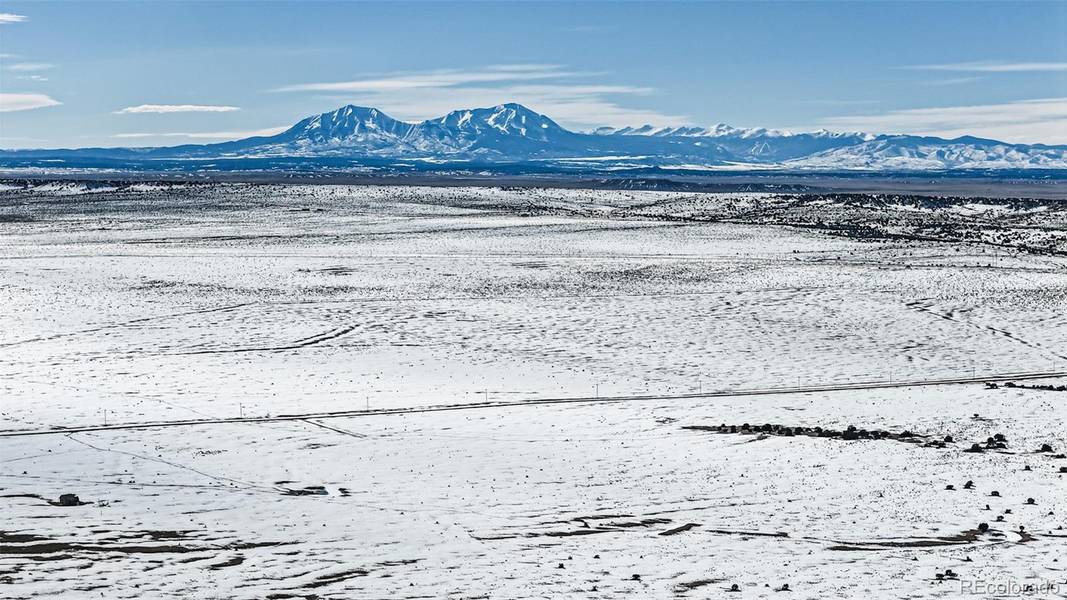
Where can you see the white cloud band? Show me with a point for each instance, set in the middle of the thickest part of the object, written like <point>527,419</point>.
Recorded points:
<point>174,108</point>
<point>205,135</point>
<point>12,102</point>
<point>26,67</point>
<point>549,89</point>
<point>995,67</point>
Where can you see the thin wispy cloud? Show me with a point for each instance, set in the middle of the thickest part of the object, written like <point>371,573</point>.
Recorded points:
<point>564,95</point>
<point>441,78</point>
<point>30,66</point>
<point>204,135</point>
<point>524,67</point>
<point>843,102</point>
<point>992,66</point>
<point>955,81</point>
<point>175,108</point>
<point>11,102</point>
<point>6,18</point>
<point>1024,121</point>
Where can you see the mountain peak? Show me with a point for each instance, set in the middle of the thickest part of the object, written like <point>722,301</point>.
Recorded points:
<point>348,124</point>
<point>508,119</point>
<point>515,106</point>
<point>347,113</point>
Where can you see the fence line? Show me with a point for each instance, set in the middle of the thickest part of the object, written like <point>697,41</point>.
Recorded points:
<point>861,385</point>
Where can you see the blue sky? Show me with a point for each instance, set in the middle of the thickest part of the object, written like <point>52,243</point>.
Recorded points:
<point>164,73</point>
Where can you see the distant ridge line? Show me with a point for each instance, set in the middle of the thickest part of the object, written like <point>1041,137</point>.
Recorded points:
<point>513,134</point>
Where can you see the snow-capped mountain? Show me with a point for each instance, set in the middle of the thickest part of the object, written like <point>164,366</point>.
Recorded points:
<point>751,144</point>
<point>348,126</point>
<point>509,130</point>
<point>514,120</point>
<point>512,133</point>
<point>915,153</point>
<point>505,132</point>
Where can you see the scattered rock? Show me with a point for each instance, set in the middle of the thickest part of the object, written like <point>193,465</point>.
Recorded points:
<point>311,490</point>
<point>993,443</point>
<point>850,433</point>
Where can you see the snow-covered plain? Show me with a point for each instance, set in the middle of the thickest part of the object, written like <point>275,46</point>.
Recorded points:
<point>186,302</point>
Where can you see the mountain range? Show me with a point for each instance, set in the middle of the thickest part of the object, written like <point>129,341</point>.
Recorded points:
<point>512,133</point>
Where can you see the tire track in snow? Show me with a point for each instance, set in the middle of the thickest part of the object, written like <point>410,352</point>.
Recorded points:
<point>924,306</point>
<point>125,324</point>
<point>301,343</point>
